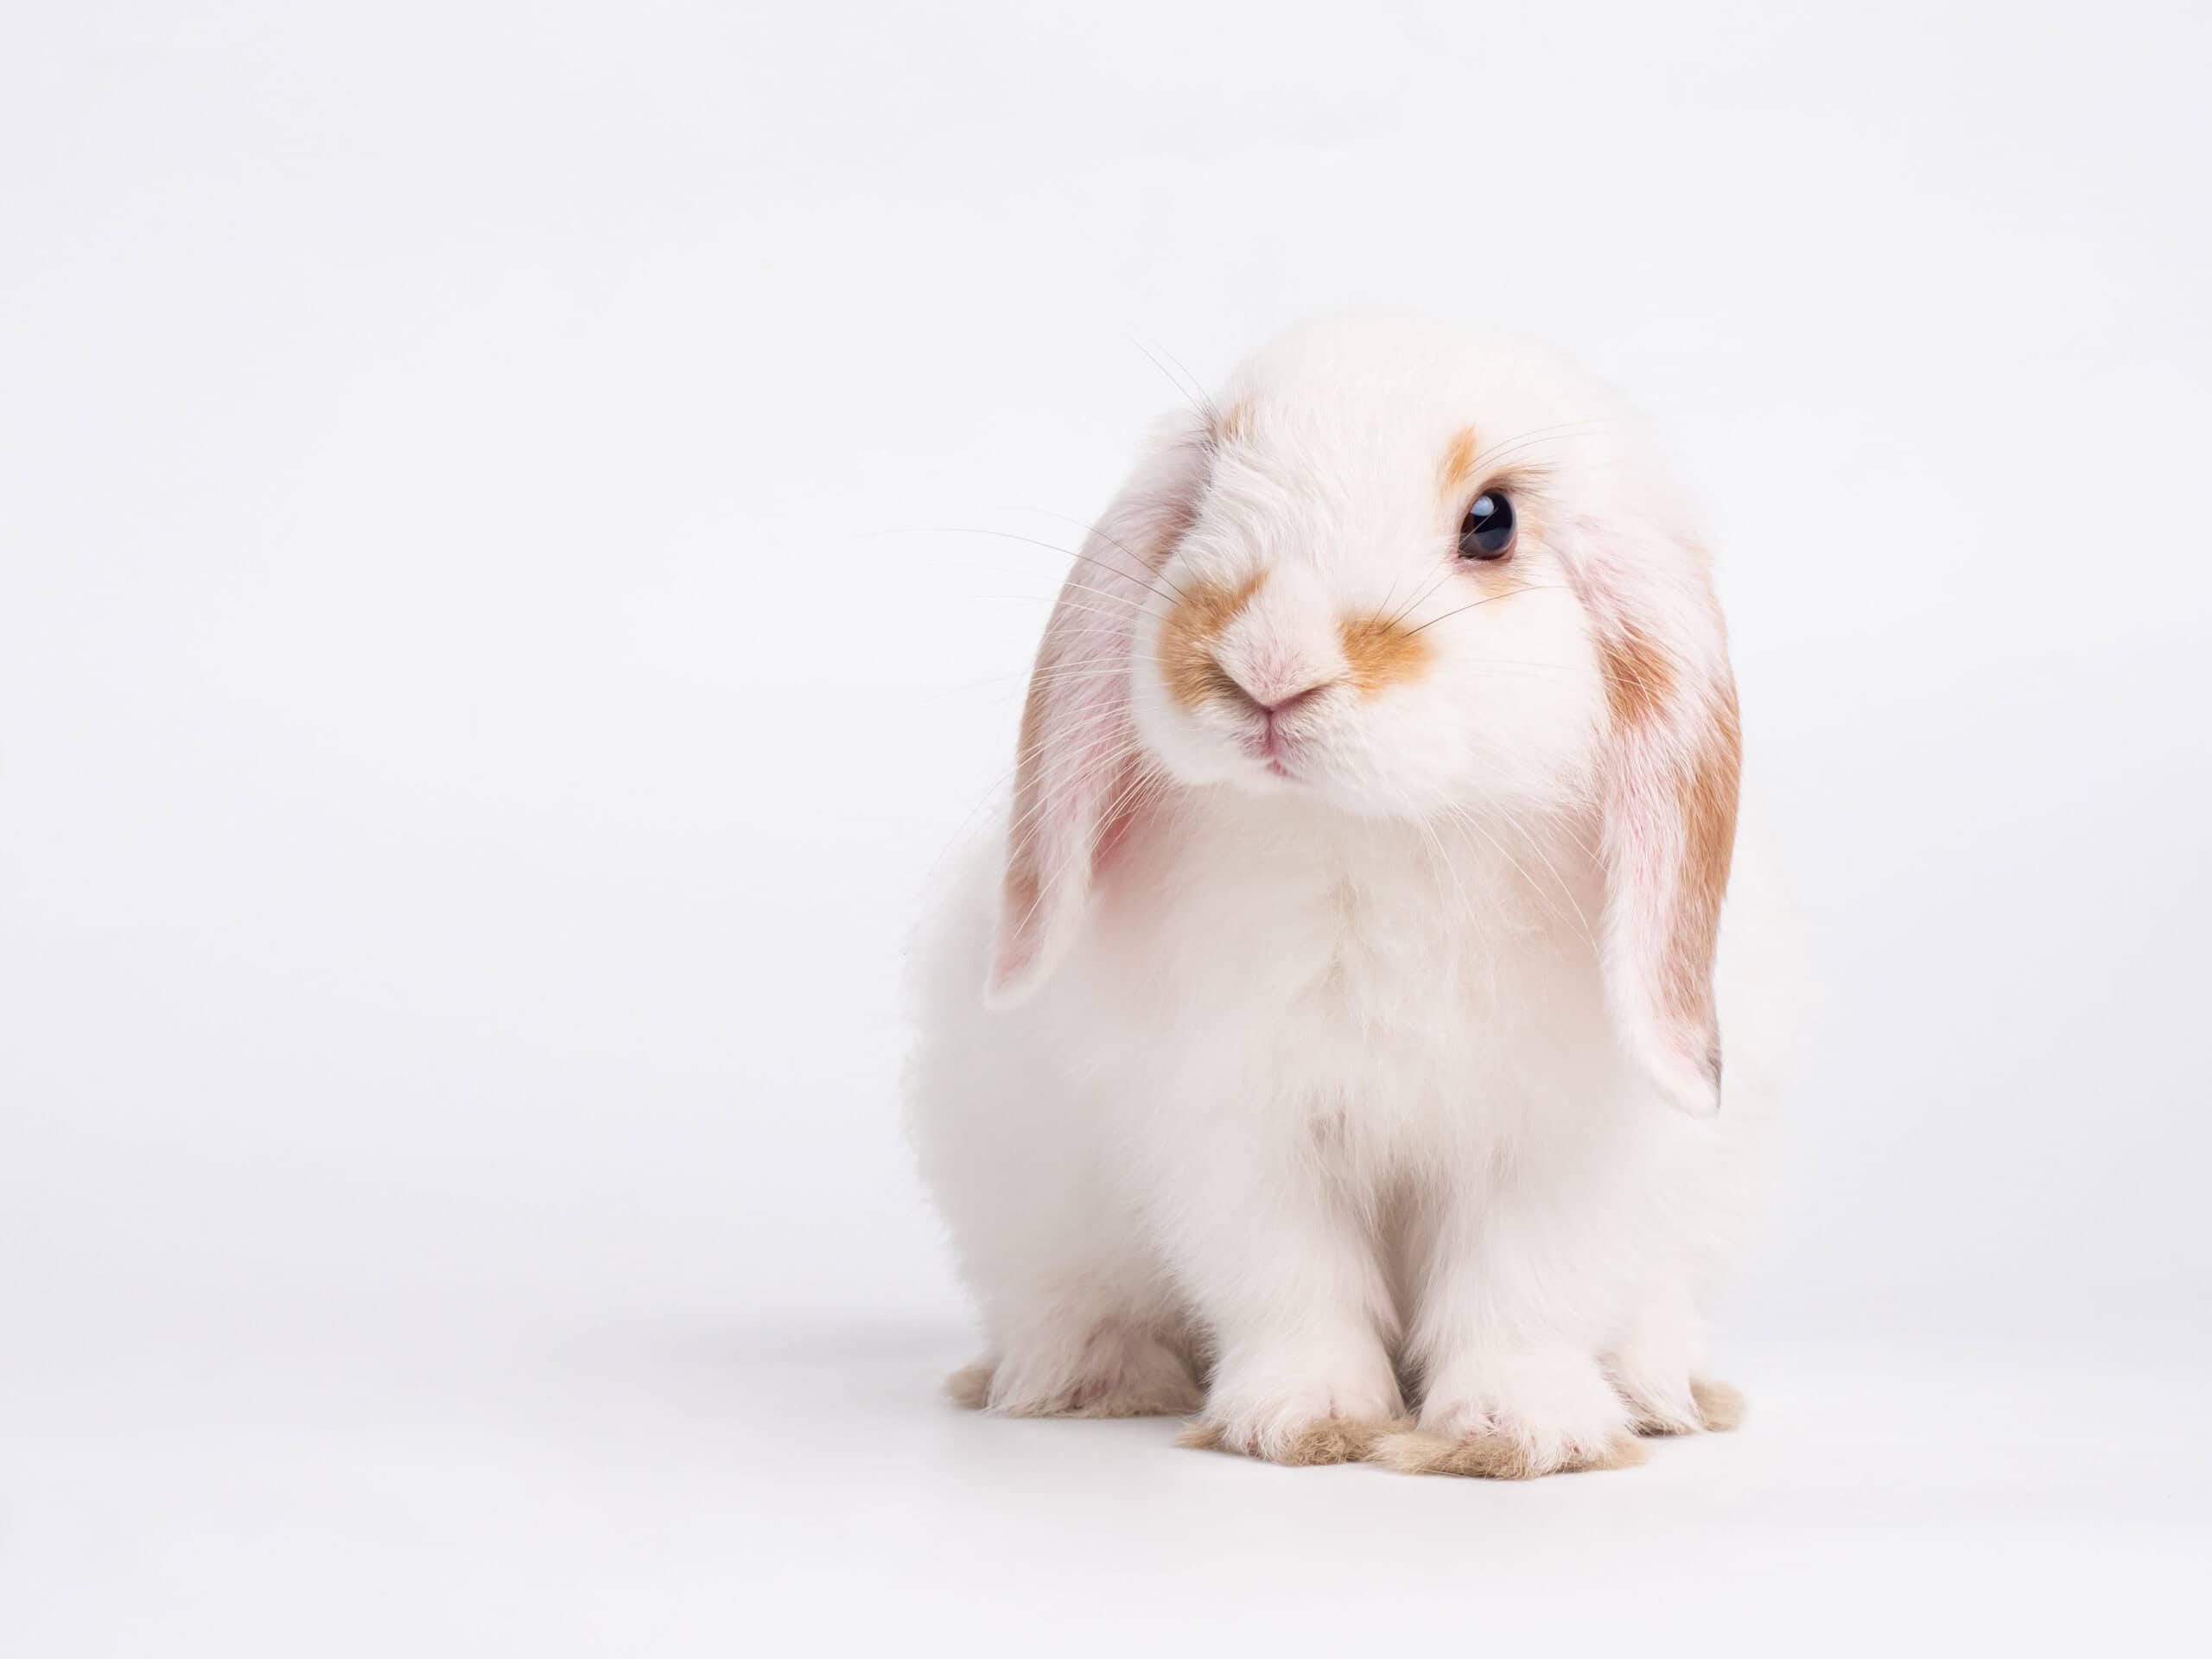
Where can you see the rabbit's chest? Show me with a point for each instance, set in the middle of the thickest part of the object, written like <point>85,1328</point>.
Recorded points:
<point>1386,972</point>
<point>1375,980</point>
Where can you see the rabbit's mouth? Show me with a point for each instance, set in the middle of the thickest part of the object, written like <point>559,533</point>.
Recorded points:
<point>1277,741</point>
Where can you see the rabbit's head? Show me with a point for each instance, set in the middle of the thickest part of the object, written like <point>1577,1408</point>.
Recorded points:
<point>1403,574</point>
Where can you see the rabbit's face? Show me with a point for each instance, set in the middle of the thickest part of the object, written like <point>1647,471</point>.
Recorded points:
<point>1372,601</point>
<point>1405,575</point>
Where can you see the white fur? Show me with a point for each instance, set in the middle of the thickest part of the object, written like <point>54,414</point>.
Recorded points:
<point>1321,1096</point>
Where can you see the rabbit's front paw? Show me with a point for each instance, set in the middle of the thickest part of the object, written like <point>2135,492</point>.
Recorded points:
<point>1720,1405</point>
<point>1115,1368</point>
<point>1511,1417</point>
<point>1664,1398</point>
<point>1300,1410</point>
<point>1683,1407</point>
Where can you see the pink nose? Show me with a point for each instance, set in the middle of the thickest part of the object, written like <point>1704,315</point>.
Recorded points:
<point>1278,702</point>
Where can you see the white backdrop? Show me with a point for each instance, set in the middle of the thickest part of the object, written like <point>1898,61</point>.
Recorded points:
<point>493,647</point>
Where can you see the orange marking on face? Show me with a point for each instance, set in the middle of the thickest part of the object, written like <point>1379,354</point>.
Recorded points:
<point>1455,474</point>
<point>1188,633</point>
<point>1381,651</point>
<point>1237,425</point>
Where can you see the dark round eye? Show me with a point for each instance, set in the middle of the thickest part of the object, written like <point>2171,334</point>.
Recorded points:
<point>1487,530</point>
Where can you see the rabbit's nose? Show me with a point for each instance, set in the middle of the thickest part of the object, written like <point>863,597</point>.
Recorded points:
<point>1273,694</point>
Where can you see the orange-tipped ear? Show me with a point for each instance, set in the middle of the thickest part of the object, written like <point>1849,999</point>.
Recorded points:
<point>1669,798</point>
<point>1077,776</point>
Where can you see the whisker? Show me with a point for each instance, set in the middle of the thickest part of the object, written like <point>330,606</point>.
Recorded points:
<point>1091,529</point>
<point>1469,820</point>
<point>1529,840</point>
<point>1557,432</point>
<point>1124,799</point>
<point>1143,580</point>
<point>1201,404</point>
<point>1444,858</point>
<point>1533,588</point>
<point>1422,597</point>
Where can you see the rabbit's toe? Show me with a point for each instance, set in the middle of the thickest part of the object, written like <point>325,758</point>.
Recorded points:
<point>1543,1411</point>
<point>1720,1405</point>
<point>970,1387</point>
<point>1325,1439</point>
<point>1300,1406</point>
<point>1119,1369</point>
<point>1492,1456</point>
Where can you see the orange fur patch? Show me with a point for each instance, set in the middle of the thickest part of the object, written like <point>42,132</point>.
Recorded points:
<point>1721,1404</point>
<point>970,1387</point>
<point>1639,677</point>
<point>1327,1441</point>
<point>1236,425</point>
<point>1493,1457</point>
<point>1381,651</point>
<point>1187,636</point>
<point>1707,794</point>
<point>1456,472</point>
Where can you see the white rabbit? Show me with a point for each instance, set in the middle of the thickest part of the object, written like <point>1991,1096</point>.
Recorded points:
<point>1340,1040</point>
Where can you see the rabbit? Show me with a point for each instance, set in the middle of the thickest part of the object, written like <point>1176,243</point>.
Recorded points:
<point>1329,1053</point>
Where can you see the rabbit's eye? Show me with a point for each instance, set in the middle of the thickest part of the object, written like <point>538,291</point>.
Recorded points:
<point>1487,530</point>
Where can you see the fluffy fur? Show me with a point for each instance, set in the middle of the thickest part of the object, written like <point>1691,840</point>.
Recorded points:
<point>1347,1045</point>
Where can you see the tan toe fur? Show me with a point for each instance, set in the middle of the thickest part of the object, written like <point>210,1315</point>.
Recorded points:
<point>970,1387</point>
<point>1331,1440</point>
<point>1492,1456</point>
<point>1719,1406</point>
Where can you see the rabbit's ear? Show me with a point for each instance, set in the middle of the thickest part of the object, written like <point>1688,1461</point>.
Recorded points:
<point>1668,795</point>
<point>1076,774</point>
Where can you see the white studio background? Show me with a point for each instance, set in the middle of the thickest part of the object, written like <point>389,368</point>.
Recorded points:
<point>487,672</point>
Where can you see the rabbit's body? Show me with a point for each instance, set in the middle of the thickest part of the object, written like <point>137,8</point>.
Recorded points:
<point>1317,1107</point>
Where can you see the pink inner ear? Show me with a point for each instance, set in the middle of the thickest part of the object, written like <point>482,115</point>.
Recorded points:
<point>1671,814</point>
<point>1074,811</point>
<point>1076,799</point>
<point>1116,833</point>
<point>1670,806</point>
